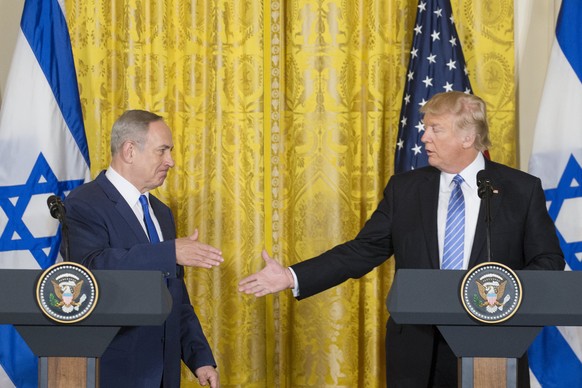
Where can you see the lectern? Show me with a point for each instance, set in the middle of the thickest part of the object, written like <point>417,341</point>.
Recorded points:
<point>433,297</point>
<point>127,298</point>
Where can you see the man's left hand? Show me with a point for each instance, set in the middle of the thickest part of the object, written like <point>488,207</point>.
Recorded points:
<point>208,375</point>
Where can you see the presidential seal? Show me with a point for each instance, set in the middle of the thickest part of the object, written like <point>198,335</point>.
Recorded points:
<point>491,292</point>
<point>67,292</point>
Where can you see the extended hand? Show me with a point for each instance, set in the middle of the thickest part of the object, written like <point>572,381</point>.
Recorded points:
<point>192,253</point>
<point>208,374</point>
<point>271,279</point>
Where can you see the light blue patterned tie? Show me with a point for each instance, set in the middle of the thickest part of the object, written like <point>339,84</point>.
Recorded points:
<point>154,238</point>
<point>455,228</point>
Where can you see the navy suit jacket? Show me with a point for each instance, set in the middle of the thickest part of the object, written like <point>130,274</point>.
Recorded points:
<point>104,233</point>
<point>404,225</point>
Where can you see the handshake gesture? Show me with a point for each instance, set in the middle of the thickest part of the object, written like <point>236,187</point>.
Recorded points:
<point>271,279</point>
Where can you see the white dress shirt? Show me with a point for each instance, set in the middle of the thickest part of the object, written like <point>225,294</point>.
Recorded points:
<point>472,204</point>
<point>131,195</point>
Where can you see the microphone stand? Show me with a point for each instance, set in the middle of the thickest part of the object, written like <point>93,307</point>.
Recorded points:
<point>57,210</point>
<point>65,235</point>
<point>485,190</point>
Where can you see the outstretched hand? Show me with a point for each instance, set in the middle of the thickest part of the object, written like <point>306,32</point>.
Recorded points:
<point>193,253</point>
<point>271,279</point>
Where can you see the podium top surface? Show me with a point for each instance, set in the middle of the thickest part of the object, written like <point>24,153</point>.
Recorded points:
<point>126,298</point>
<point>425,296</point>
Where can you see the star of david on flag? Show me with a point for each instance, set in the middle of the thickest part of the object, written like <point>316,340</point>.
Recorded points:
<point>43,151</point>
<point>436,65</point>
<point>556,355</point>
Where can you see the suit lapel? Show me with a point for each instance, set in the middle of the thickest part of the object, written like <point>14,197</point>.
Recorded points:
<point>479,250</point>
<point>428,194</point>
<point>164,218</point>
<point>479,241</point>
<point>122,207</point>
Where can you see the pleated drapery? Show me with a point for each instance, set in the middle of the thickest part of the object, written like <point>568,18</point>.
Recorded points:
<point>284,118</point>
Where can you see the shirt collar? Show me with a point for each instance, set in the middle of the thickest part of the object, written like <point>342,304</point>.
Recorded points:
<point>469,174</point>
<point>128,191</point>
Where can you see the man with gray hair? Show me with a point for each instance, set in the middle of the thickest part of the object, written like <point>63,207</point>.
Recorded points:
<point>115,223</point>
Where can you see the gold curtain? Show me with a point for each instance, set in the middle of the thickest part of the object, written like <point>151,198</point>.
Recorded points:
<point>284,116</point>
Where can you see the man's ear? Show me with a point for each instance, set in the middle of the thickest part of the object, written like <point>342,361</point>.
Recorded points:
<point>128,152</point>
<point>469,140</point>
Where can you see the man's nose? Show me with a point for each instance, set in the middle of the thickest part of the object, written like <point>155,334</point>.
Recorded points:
<point>170,161</point>
<point>424,138</point>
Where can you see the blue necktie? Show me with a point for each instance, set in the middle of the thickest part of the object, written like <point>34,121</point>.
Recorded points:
<point>154,238</point>
<point>455,228</point>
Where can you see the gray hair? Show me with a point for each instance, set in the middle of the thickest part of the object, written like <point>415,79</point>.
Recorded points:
<point>470,113</point>
<point>132,125</point>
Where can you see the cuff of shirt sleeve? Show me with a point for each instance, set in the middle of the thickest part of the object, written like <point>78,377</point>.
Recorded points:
<point>295,289</point>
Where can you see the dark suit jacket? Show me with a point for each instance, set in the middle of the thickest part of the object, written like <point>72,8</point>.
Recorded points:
<point>105,234</point>
<point>523,236</point>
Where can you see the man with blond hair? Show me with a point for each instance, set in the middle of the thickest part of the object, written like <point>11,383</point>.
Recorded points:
<point>412,223</point>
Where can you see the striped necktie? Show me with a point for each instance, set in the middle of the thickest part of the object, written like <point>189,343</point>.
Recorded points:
<point>455,228</point>
<point>153,234</point>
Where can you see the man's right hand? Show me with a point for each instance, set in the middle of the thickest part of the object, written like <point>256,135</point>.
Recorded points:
<point>192,253</point>
<point>271,279</point>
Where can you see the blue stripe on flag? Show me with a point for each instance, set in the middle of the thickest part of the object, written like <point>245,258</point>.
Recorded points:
<point>43,24</point>
<point>44,27</point>
<point>563,374</point>
<point>569,33</point>
<point>567,189</point>
<point>21,367</point>
<point>555,155</point>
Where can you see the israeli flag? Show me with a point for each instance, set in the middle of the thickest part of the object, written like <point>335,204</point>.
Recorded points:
<point>43,151</point>
<point>556,355</point>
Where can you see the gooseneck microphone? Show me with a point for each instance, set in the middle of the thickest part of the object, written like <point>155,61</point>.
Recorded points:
<point>485,191</point>
<point>56,207</point>
<point>57,210</point>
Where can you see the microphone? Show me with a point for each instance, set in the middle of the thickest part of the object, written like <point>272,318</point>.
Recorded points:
<point>484,186</point>
<point>56,207</point>
<point>485,191</point>
<point>57,210</point>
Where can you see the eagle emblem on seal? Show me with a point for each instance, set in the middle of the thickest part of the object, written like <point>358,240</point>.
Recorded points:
<point>492,292</point>
<point>68,294</point>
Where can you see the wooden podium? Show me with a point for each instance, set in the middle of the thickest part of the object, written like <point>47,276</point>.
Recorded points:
<point>488,352</point>
<point>68,353</point>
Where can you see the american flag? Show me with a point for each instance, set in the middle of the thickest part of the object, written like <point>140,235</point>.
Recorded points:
<point>436,65</point>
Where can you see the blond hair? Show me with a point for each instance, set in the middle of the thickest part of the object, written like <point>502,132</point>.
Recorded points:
<point>470,114</point>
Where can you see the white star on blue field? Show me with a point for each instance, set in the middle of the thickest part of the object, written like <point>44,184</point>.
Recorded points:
<point>15,199</point>
<point>557,196</point>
